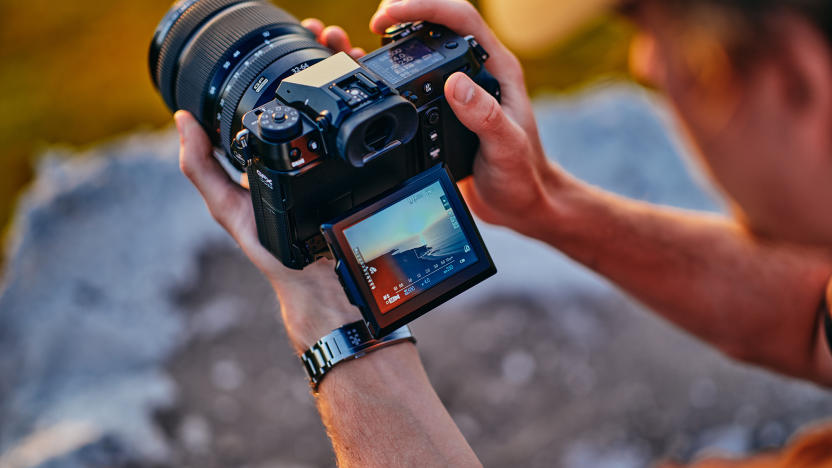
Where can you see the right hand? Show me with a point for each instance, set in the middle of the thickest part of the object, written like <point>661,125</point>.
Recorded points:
<point>511,172</point>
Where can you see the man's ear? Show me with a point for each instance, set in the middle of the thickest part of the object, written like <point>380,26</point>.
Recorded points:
<point>804,55</point>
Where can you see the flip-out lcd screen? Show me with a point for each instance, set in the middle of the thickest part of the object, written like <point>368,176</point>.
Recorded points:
<point>409,247</point>
<point>408,251</point>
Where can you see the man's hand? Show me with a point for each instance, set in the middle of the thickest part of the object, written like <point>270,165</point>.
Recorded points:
<point>511,171</point>
<point>333,37</point>
<point>360,400</point>
<point>312,301</point>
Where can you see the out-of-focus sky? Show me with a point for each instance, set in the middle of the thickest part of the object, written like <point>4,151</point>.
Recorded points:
<point>75,73</point>
<point>393,226</point>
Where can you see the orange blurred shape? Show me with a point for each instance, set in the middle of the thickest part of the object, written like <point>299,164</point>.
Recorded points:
<point>531,27</point>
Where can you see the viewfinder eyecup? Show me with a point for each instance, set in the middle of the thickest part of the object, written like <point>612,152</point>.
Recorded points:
<point>377,129</point>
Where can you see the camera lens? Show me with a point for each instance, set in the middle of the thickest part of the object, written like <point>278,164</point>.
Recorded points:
<point>218,59</point>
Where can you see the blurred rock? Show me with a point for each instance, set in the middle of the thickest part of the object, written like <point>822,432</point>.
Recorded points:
<point>128,311</point>
<point>99,243</point>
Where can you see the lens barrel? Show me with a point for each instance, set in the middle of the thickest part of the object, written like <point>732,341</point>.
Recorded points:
<point>221,58</point>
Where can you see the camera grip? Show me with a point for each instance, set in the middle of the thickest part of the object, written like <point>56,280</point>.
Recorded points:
<point>274,224</point>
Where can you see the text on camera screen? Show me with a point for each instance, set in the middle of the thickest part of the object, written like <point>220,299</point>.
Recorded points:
<point>409,247</point>
<point>404,61</point>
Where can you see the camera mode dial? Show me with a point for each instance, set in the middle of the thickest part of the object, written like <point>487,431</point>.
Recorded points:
<point>400,31</point>
<point>279,123</point>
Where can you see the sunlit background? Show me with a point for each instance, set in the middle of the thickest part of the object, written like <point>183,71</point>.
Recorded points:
<point>75,73</point>
<point>134,333</point>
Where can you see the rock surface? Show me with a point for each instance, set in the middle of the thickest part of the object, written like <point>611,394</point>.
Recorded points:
<point>134,333</point>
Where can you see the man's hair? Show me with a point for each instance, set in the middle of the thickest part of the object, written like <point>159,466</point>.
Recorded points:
<point>745,25</point>
<point>819,12</point>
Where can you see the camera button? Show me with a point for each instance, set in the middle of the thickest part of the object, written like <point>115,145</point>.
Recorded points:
<point>435,152</point>
<point>433,136</point>
<point>432,116</point>
<point>412,97</point>
<point>294,154</point>
<point>313,145</point>
<point>451,45</point>
<point>427,87</point>
<point>396,28</point>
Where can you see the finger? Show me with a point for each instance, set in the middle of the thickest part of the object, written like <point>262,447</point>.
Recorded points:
<point>226,201</point>
<point>313,24</point>
<point>458,15</point>
<point>336,39</point>
<point>481,113</point>
<point>357,52</point>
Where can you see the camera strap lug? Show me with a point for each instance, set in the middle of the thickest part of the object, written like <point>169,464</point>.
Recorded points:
<point>479,50</point>
<point>239,149</point>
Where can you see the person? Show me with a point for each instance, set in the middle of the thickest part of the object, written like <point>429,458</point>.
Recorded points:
<point>752,84</point>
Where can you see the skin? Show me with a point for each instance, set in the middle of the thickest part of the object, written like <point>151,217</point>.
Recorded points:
<point>751,285</point>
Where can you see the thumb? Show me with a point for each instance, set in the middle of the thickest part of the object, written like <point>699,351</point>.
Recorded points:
<point>480,111</point>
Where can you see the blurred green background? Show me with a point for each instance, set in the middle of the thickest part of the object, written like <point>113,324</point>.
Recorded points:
<point>75,73</point>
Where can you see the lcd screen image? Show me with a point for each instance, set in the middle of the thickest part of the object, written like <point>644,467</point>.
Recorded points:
<point>404,61</point>
<point>409,247</point>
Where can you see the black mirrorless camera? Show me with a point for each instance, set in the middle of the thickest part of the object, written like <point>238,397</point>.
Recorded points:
<point>353,159</point>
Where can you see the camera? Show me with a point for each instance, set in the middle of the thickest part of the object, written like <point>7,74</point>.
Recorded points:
<point>350,159</point>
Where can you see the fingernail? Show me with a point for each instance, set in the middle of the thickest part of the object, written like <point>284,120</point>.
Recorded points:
<point>180,126</point>
<point>463,90</point>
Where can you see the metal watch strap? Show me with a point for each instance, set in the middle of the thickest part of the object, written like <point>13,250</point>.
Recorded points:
<point>351,341</point>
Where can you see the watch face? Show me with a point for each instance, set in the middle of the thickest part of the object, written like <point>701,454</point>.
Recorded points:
<point>407,252</point>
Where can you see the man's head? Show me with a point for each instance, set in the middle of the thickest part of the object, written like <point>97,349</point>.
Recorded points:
<point>752,83</point>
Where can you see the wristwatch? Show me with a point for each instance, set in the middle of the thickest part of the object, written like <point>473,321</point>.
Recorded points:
<point>351,341</point>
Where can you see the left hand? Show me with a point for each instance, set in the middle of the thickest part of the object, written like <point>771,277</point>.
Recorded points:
<point>312,301</point>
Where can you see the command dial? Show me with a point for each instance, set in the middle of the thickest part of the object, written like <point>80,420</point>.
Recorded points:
<point>279,123</point>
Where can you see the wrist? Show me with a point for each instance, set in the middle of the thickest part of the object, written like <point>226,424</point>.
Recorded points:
<point>308,317</point>
<point>381,370</point>
<point>551,207</point>
<point>347,343</point>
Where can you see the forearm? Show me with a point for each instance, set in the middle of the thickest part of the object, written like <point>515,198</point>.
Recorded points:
<point>755,300</point>
<point>381,410</point>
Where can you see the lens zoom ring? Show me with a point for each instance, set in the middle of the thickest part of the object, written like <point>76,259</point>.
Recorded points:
<point>176,38</point>
<point>219,36</point>
<point>251,71</point>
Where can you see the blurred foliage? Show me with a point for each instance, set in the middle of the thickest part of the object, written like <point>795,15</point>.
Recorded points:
<point>76,72</point>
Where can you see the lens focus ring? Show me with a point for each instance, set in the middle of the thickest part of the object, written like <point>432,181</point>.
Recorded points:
<point>220,35</point>
<point>206,54</point>
<point>165,56</point>
<point>244,78</point>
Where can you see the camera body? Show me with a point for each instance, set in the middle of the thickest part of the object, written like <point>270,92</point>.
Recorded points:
<point>341,133</point>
